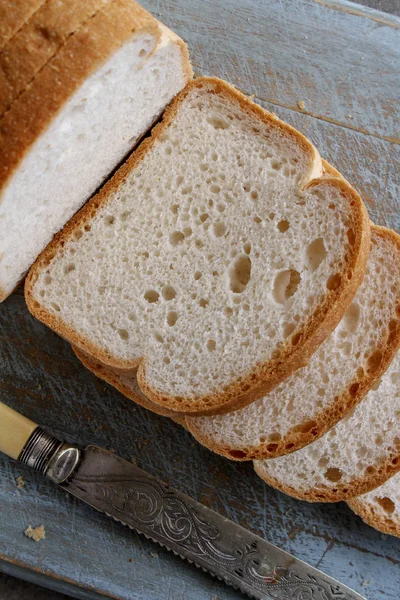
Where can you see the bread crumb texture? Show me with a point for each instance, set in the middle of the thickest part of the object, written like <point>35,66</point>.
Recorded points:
<point>35,533</point>
<point>358,454</point>
<point>337,376</point>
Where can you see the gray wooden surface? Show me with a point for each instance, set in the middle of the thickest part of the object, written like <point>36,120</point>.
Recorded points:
<point>344,63</point>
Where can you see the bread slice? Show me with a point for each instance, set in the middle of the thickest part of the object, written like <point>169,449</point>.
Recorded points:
<point>37,41</point>
<point>214,259</point>
<point>380,508</point>
<point>357,455</point>
<point>339,374</point>
<point>126,384</point>
<point>13,14</point>
<point>77,119</point>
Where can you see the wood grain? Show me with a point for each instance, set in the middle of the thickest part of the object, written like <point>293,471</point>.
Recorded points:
<point>344,63</point>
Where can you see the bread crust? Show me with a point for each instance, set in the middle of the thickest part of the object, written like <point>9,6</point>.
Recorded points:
<point>383,523</point>
<point>361,485</point>
<point>37,41</point>
<point>109,376</point>
<point>264,377</point>
<point>13,14</point>
<point>332,414</point>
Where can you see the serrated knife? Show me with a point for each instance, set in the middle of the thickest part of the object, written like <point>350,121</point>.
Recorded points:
<point>179,523</point>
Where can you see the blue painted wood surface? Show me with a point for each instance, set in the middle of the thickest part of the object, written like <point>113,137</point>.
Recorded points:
<point>343,62</point>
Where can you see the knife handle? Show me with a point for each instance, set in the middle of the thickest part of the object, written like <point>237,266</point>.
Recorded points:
<point>15,431</point>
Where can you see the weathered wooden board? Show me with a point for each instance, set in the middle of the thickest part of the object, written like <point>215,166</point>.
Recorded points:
<point>344,63</point>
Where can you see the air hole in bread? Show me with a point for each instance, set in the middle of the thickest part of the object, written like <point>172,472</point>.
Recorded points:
<point>198,243</point>
<point>276,164</point>
<point>386,504</point>
<point>176,238</point>
<point>315,254</point>
<point>274,437</point>
<point>283,225</point>
<point>172,318</point>
<point>217,122</point>
<point>305,427</point>
<point>197,275</point>
<point>228,312</point>
<point>254,195</point>
<point>109,220</point>
<point>123,334</point>
<point>47,280</point>
<point>211,345</point>
<point>168,293</point>
<point>257,220</point>
<point>247,247</point>
<point>203,303</point>
<point>351,237</point>
<point>77,234</point>
<point>375,360</point>
<point>272,447</point>
<point>333,474</point>
<point>239,274</point>
<point>334,282</point>
<point>238,454</point>
<point>351,318</point>
<point>219,229</point>
<point>288,329</point>
<point>55,306</point>
<point>151,296</point>
<point>285,285</point>
<point>221,207</point>
<point>353,389</point>
<point>69,268</point>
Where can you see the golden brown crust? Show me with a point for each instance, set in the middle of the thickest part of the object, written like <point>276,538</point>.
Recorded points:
<point>371,516</point>
<point>370,480</point>
<point>81,55</point>
<point>292,356</point>
<point>331,415</point>
<point>37,41</point>
<point>13,14</point>
<point>109,376</point>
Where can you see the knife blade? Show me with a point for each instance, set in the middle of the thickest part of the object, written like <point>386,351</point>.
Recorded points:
<point>189,529</point>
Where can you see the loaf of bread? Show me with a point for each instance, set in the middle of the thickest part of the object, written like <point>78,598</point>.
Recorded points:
<point>76,120</point>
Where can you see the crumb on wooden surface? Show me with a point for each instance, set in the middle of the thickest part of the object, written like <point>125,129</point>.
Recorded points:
<point>134,460</point>
<point>154,554</point>
<point>131,560</point>
<point>20,482</point>
<point>35,533</point>
<point>301,104</point>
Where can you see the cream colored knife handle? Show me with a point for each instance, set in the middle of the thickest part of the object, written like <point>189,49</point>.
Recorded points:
<point>15,431</point>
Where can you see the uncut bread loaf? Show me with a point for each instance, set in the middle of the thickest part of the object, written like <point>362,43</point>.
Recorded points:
<point>76,120</point>
<point>13,14</point>
<point>126,384</point>
<point>380,508</point>
<point>357,455</point>
<point>339,374</point>
<point>37,41</point>
<point>215,261</point>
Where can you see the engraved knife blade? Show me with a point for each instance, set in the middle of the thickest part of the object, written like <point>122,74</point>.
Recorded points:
<point>189,529</point>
